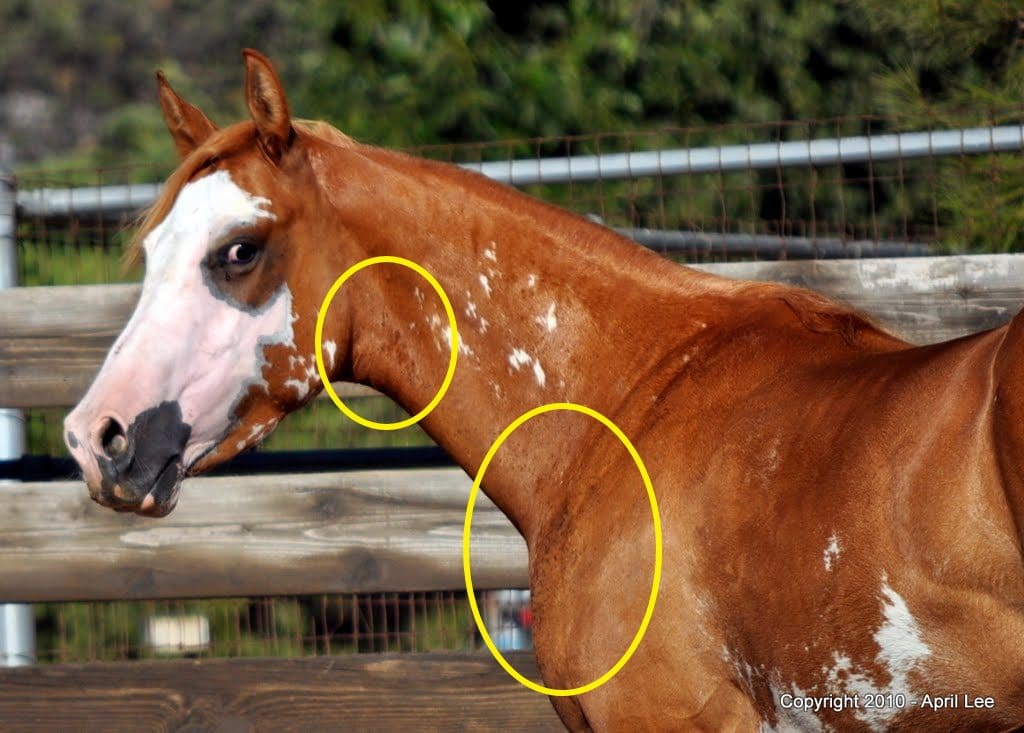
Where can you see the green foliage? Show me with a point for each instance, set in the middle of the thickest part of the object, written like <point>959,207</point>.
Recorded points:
<point>948,57</point>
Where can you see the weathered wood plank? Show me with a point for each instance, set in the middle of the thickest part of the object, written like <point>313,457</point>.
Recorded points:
<point>364,692</point>
<point>52,340</point>
<point>922,299</point>
<point>262,535</point>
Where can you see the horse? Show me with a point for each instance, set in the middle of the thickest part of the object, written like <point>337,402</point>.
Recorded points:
<point>842,510</point>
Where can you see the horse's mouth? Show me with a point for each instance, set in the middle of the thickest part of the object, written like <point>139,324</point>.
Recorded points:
<point>161,499</point>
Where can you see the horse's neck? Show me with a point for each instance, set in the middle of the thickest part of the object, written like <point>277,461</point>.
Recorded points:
<point>544,303</point>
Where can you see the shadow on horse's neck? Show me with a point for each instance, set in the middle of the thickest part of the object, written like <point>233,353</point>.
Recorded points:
<point>549,308</point>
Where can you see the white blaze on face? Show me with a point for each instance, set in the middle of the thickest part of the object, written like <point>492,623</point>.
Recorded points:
<point>185,341</point>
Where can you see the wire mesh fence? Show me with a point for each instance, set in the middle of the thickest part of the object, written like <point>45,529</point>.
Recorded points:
<point>897,206</point>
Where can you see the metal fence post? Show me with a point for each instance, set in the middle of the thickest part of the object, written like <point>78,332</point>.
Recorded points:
<point>17,620</point>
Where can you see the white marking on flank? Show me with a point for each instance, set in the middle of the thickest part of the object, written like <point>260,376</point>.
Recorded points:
<point>490,254</point>
<point>831,552</point>
<point>531,281</point>
<point>485,283</point>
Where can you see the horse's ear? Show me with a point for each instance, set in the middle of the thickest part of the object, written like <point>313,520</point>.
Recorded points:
<point>267,104</point>
<point>188,126</point>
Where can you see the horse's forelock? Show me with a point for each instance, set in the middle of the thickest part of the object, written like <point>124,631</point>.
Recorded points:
<point>221,144</point>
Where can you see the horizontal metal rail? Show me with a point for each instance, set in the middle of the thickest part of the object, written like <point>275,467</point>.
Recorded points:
<point>772,246</point>
<point>115,201</point>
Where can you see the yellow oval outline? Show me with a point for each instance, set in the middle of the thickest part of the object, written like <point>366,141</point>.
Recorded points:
<point>319,337</point>
<point>467,528</point>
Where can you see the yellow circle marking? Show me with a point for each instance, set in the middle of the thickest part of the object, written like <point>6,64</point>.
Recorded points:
<point>655,583</point>
<point>319,338</point>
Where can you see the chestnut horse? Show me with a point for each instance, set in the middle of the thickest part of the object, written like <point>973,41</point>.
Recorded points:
<point>842,511</point>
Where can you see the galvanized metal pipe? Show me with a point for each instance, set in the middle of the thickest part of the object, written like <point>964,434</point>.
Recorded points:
<point>17,620</point>
<point>113,201</point>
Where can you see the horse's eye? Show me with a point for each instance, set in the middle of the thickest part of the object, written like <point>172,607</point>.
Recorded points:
<point>240,253</point>
<point>239,256</point>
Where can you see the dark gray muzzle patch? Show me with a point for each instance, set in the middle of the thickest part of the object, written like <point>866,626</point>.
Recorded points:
<point>144,459</point>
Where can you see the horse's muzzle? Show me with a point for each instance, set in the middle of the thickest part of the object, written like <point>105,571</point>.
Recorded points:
<point>134,469</point>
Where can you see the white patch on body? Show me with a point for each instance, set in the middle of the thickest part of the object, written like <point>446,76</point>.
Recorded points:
<point>901,649</point>
<point>791,717</point>
<point>185,343</point>
<point>832,550</point>
<point>485,284</point>
<point>531,281</point>
<point>330,349</point>
<point>490,254</point>
<point>547,321</point>
<point>903,646</point>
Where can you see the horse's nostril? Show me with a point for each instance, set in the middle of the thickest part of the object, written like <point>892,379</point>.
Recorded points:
<point>113,439</point>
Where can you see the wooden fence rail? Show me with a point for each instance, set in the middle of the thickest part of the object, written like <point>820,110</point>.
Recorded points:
<point>352,531</point>
<point>323,533</point>
<point>52,339</point>
<point>361,692</point>
<point>388,530</point>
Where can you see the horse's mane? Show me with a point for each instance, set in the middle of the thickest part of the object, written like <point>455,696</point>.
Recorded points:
<point>815,312</point>
<point>820,314</point>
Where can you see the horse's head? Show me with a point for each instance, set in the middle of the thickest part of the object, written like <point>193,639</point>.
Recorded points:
<point>218,348</point>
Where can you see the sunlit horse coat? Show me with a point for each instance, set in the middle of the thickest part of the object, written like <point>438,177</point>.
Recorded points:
<point>842,512</point>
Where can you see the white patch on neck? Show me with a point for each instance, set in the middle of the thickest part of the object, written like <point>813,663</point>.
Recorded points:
<point>463,346</point>
<point>519,358</point>
<point>547,321</point>
<point>538,373</point>
<point>485,284</point>
<point>831,552</point>
<point>301,388</point>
